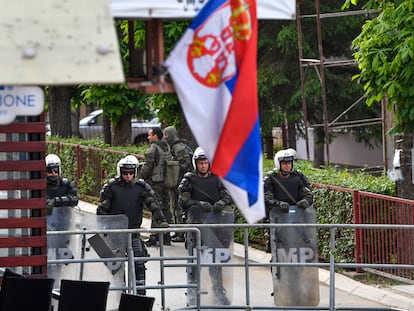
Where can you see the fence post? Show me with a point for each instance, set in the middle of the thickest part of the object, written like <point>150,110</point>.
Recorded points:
<point>78,155</point>
<point>357,220</point>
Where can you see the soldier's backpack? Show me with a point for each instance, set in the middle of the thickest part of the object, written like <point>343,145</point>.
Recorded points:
<point>184,154</point>
<point>169,168</point>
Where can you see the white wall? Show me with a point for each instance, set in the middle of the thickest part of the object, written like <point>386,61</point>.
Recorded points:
<point>344,150</point>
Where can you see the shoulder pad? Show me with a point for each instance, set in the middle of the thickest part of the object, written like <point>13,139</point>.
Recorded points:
<point>112,181</point>
<point>189,174</point>
<point>297,172</point>
<point>271,173</point>
<point>144,184</point>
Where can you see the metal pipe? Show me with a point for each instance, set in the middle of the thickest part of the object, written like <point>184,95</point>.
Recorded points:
<point>302,78</point>
<point>322,75</point>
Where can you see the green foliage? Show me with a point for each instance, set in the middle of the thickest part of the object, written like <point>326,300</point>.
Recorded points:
<point>116,100</point>
<point>173,30</point>
<point>385,56</point>
<point>97,165</point>
<point>168,108</point>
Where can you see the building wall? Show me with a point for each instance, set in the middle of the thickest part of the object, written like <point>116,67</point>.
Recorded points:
<point>344,150</point>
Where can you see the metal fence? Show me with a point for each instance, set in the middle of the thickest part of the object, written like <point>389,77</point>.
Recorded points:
<point>90,165</point>
<point>172,262</point>
<point>385,244</point>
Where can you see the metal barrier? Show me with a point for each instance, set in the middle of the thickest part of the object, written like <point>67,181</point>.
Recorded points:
<point>387,244</point>
<point>246,263</point>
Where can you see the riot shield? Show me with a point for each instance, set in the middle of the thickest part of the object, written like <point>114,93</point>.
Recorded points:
<point>294,285</point>
<point>103,245</point>
<point>88,246</point>
<point>60,246</point>
<point>216,282</point>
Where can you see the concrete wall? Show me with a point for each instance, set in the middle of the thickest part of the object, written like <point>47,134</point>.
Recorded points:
<point>344,150</point>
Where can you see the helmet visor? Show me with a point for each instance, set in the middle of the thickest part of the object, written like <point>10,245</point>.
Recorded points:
<point>53,169</point>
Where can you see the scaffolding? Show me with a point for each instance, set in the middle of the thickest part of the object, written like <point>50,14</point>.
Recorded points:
<point>319,65</point>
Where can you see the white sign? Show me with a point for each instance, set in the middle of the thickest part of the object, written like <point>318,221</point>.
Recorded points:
<point>20,101</point>
<point>58,42</point>
<point>138,9</point>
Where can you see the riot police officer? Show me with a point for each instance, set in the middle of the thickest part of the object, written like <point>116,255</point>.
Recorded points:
<point>284,186</point>
<point>60,191</point>
<point>124,195</point>
<point>288,199</point>
<point>61,196</point>
<point>204,199</point>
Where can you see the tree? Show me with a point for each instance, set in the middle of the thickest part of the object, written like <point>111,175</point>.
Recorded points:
<point>385,56</point>
<point>59,110</point>
<point>119,103</point>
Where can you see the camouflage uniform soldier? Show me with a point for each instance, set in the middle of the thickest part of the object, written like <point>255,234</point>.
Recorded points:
<point>182,154</point>
<point>153,172</point>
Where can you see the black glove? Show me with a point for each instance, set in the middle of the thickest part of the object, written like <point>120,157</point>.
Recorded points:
<point>206,206</point>
<point>50,204</point>
<point>272,203</point>
<point>219,206</point>
<point>303,203</point>
<point>284,206</point>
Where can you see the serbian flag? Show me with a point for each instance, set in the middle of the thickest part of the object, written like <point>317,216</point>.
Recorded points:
<point>214,71</point>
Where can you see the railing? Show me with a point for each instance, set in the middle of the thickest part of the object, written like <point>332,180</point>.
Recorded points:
<point>172,262</point>
<point>386,244</point>
<point>90,165</point>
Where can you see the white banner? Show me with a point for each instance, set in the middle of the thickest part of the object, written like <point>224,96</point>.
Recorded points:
<point>143,9</point>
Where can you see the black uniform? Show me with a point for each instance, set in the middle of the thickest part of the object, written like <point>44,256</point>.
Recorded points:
<point>61,192</point>
<point>195,191</point>
<point>129,198</point>
<point>296,184</point>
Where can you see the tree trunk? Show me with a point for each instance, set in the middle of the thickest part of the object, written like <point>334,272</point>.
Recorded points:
<point>59,111</point>
<point>405,188</point>
<point>75,122</point>
<point>185,132</point>
<point>319,149</point>
<point>122,132</point>
<point>107,129</point>
<point>291,134</point>
<point>268,146</point>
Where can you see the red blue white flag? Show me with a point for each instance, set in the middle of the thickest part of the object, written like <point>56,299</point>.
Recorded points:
<point>214,71</point>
